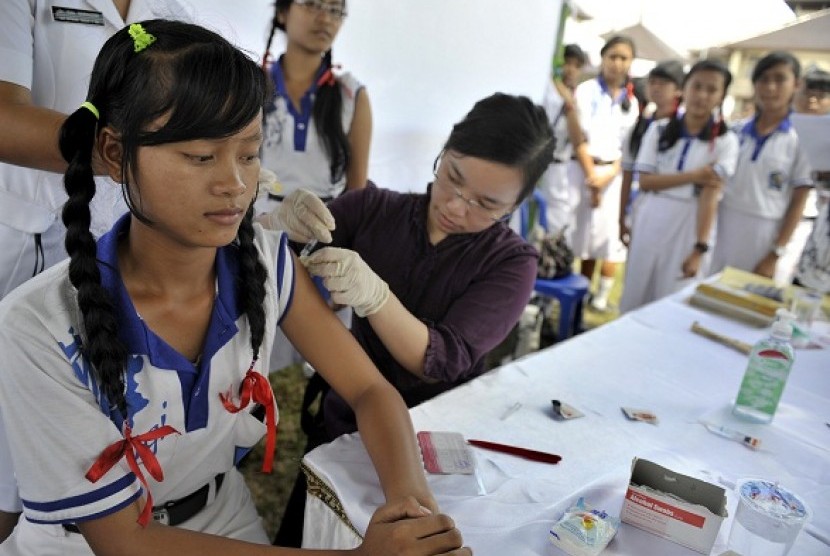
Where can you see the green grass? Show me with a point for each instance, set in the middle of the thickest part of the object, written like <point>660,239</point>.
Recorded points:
<point>270,492</point>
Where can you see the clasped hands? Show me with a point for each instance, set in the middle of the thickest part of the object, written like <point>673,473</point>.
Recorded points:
<point>304,217</point>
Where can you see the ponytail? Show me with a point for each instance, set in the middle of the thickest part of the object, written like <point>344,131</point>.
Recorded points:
<point>101,344</point>
<point>328,120</point>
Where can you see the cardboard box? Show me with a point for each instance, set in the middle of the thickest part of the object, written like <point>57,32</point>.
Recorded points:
<point>674,506</point>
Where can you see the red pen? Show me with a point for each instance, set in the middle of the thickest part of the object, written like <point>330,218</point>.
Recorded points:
<point>526,453</point>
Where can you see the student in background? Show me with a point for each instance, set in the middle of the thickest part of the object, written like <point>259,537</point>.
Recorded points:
<point>663,89</point>
<point>44,71</point>
<point>607,111</point>
<point>683,163</point>
<point>150,344</point>
<point>765,198</point>
<point>564,121</point>
<point>318,126</point>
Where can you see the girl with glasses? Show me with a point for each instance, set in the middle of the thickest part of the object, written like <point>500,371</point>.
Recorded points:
<point>436,280</point>
<point>318,123</point>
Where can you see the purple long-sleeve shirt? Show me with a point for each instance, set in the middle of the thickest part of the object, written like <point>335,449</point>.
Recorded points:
<point>469,289</point>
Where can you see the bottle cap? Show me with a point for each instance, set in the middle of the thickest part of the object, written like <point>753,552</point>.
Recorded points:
<point>782,329</point>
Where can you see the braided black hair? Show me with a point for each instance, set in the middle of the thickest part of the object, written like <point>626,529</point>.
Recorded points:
<point>328,104</point>
<point>206,88</point>
<point>713,128</point>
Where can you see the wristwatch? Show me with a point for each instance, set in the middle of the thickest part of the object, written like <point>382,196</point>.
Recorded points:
<point>701,247</point>
<point>779,250</point>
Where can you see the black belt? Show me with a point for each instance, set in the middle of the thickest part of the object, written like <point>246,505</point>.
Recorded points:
<point>175,511</point>
<point>280,198</point>
<point>597,161</point>
<point>560,161</point>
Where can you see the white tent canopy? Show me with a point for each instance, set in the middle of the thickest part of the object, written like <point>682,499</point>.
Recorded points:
<point>809,32</point>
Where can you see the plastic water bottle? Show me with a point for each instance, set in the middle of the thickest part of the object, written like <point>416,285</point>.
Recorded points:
<point>766,375</point>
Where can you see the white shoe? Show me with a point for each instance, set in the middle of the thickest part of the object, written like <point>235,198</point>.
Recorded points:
<point>599,304</point>
<point>308,370</point>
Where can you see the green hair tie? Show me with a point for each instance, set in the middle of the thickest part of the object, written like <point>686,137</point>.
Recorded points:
<point>91,107</point>
<point>141,38</point>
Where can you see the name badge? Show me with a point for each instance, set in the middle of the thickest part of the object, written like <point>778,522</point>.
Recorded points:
<point>74,15</point>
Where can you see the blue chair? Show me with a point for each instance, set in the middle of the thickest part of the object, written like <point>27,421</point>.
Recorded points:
<point>570,290</point>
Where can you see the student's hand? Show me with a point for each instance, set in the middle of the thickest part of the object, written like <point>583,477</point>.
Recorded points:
<point>691,265</point>
<point>405,527</point>
<point>303,216</point>
<point>625,233</point>
<point>766,266</point>
<point>596,197</point>
<point>707,177</point>
<point>349,279</point>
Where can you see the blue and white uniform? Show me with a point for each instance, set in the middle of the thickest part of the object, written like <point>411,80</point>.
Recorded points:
<point>553,184</point>
<point>292,149</point>
<point>49,48</point>
<point>813,269</point>
<point>54,445</point>
<point>769,169</point>
<point>664,223</point>
<point>597,230</point>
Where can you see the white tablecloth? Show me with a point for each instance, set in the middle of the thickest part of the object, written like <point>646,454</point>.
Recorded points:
<point>647,359</point>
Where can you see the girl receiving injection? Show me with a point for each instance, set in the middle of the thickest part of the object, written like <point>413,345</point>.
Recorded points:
<point>150,344</point>
<point>683,162</point>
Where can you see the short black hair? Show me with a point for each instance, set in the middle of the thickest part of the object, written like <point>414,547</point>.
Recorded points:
<point>575,52</point>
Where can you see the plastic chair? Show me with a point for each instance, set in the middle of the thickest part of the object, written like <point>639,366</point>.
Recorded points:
<point>570,290</point>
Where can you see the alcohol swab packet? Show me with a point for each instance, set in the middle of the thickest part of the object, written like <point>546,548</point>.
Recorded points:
<point>644,415</point>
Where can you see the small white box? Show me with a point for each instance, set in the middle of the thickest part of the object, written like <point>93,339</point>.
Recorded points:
<point>674,506</point>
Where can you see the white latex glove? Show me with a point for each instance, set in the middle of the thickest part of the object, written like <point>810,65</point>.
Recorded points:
<point>349,279</point>
<point>303,216</point>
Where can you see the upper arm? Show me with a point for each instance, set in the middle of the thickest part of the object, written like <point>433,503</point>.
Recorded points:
<point>360,138</point>
<point>480,318</point>
<point>646,162</point>
<point>320,337</point>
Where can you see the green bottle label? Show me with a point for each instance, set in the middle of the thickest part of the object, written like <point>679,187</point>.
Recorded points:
<point>764,381</point>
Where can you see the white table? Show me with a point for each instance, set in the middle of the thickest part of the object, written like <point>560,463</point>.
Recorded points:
<point>647,359</point>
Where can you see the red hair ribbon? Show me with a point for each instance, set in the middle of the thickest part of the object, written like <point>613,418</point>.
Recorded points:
<point>257,388</point>
<point>129,447</point>
<point>629,89</point>
<point>328,76</point>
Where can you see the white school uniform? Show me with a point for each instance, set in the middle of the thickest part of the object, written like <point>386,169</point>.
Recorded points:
<point>813,269</point>
<point>293,151</point>
<point>553,185</point>
<point>664,227</point>
<point>596,230</point>
<point>49,48</point>
<point>769,170</point>
<point>54,445</point>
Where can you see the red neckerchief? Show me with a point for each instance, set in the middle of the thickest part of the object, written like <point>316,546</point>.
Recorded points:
<point>129,447</point>
<point>257,388</point>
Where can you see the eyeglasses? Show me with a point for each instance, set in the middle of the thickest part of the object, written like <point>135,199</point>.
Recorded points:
<point>333,10</point>
<point>477,210</point>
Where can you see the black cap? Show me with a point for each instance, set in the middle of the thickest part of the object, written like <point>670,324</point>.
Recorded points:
<point>817,79</point>
<point>669,69</point>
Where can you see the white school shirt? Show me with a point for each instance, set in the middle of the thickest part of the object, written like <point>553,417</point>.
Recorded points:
<point>688,153</point>
<point>813,269</point>
<point>44,48</point>
<point>602,119</point>
<point>291,147</point>
<point>769,169</point>
<point>554,107</point>
<point>58,423</point>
